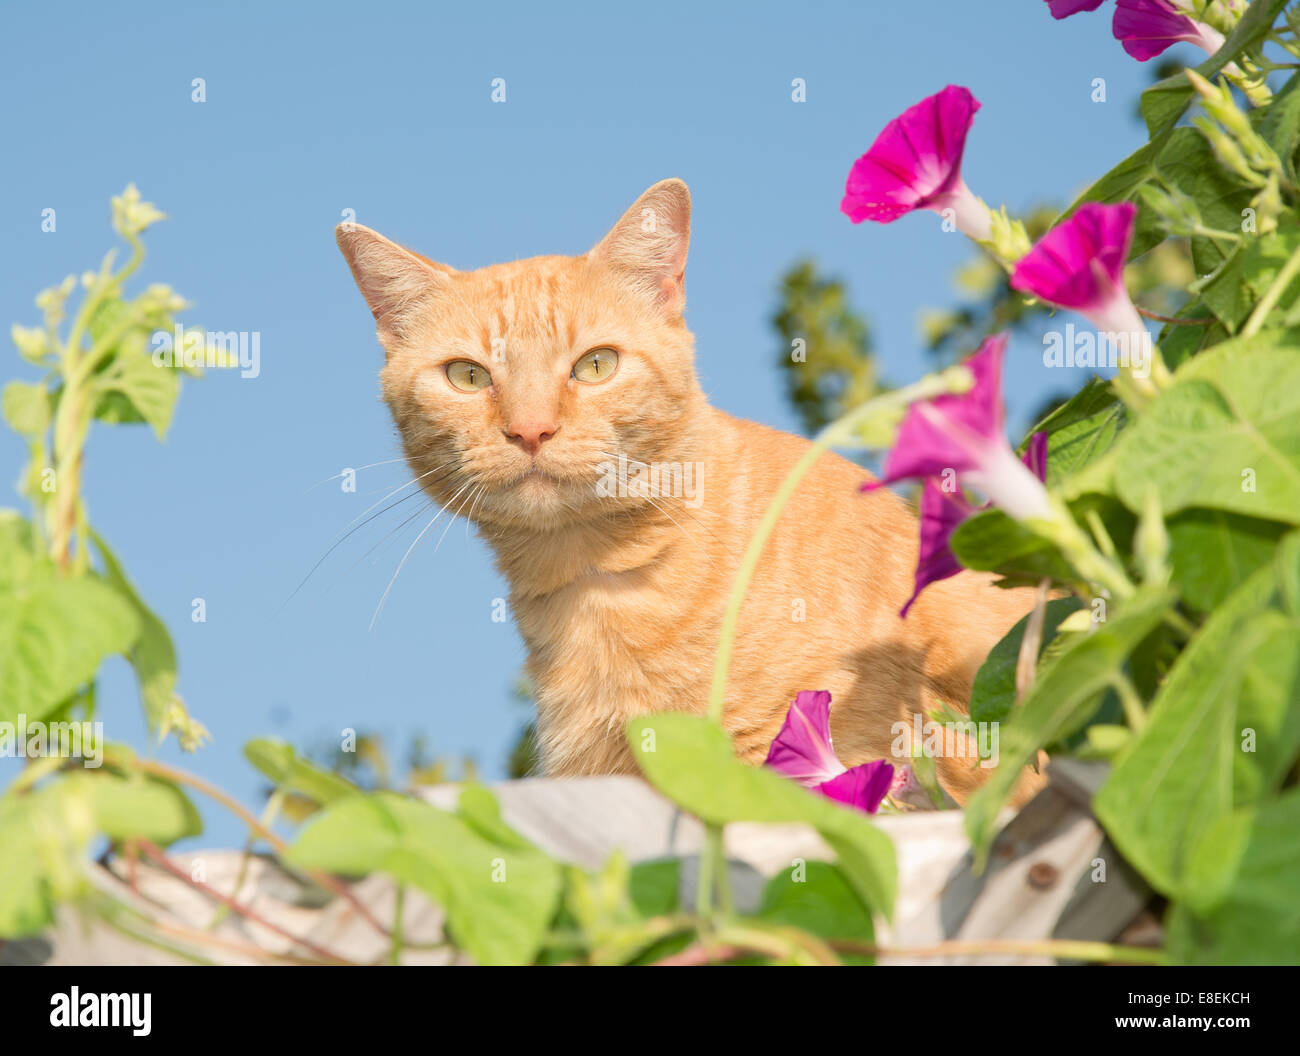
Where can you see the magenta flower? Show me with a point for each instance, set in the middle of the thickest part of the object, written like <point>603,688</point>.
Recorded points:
<point>1148,27</point>
<point>957,441</point>
<point>1066,8</point>
<point>904,781</point>
<point>961,436</point>
<point>942,510</point>
<point>1035,456</point>
<point>915,163</point>
<point>802,751</point>
<point>1079,264</point>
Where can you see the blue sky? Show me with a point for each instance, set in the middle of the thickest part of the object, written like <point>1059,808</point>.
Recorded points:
<point>385,109</point>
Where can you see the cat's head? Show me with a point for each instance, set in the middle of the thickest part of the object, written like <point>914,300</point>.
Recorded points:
<point>514,386</point>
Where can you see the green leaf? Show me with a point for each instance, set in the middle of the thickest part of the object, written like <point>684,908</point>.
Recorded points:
<point>1105,740</point>
<point>151,808</point>
<point>1267,712</point>
<point>1187,162</point>
<point>1250,856</point>
<point>353,836</point>
<point>1178,775</point>
<point>135,390</point>
<point>990,541</point>
<point>18,564</point>
<point>1244,872</point>
<point>1280,126</point>
<point>1065,693</point>
<point>1095,396</point>
<point>283,765</point>
<point>1248,275</point>
<point>1230,935</point>
<point>1179,342</point>
<point>47,833</point>
<point>654,885</point>
<point>599,901</point>
<point>25,907</point>
<point>1164,102</point>
<point>1224,436</point>
<point>1081,430</point>
<point>1120,184</point>
<point>54,633</point>
<point>153,656</point>
<point>1212,553</point>
<point>612,926</point>
<point>33,344</point>
<point>481,810</point>
<point>110,313</point>
<point>820,901</point>
<point>1080,443</point>
<point>994,692</point>
<point>27,407</point>
<point>690,760</point>
<point>499,900</point>
<point>1287,567</point>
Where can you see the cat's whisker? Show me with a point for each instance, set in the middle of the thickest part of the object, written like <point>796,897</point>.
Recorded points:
<point>630,460</point>
<point>682,511</point>
<point>469,517</point>
<point>387,489</point>
<point>357,469</point>
<point>384,596</point>
<point>468,498</point>
<point>688,535</point>
<point>405,557</point>
<point>373,465</point>
<point>349,531</point>
<point>403,487</point>
<point>392,534</point>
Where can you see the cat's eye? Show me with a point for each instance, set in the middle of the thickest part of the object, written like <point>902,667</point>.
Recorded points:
<point>596,366</point>
<point>467,375</point>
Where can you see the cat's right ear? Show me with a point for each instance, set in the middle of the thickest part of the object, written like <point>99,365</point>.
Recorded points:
<point>395,282</point>
<point>647,247</point>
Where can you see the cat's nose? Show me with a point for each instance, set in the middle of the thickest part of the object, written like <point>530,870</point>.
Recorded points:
<point>531,435</point>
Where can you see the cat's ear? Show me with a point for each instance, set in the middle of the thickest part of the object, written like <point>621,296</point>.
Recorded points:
<point>395,282</point>
<point>648,245</point>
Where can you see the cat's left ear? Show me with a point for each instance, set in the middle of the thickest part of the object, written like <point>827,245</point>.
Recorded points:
<point>396,283</point>
<point>648,245</point>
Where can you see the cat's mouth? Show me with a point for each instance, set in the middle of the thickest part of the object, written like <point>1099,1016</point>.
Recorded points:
<point>537,477</point>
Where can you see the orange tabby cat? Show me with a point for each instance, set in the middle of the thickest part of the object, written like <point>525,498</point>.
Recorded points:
<point>554,401</point>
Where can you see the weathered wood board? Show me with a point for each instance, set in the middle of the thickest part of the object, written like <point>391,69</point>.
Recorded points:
<point>1042,881</point>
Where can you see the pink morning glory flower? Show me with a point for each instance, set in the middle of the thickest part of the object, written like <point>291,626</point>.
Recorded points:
<point>943,510</point>
<point>802,751</point>
<point>961,435</point>
<point>1079,264</point>
<point>904,781</point>
<point>1066,8</point>
<point>1148,27</point>
<point>915,163</point>
<point>1035,456</point>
